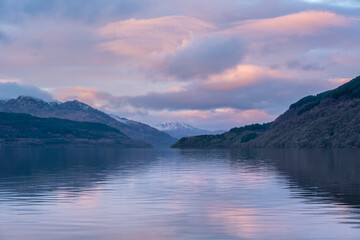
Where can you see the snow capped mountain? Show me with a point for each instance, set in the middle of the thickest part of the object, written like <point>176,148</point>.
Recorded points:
<point>173,126</point>
<point>179,129</point>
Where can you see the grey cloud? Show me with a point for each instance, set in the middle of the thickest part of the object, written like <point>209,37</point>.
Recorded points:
<point>205,56</point>
<point>10,90</point>
<point>295,64</point>
<point>35,7</point>
<point>274,8</point>
<point>274,97</point>
<point>348,4</point>
<point>86,10</point>
<point>329,54</point>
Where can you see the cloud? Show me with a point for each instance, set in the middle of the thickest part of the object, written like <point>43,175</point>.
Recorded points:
<point>11,89</point>
<point>91,96</point>
<point>338,81</point>
<point>10,80</point>
<point>229,117</point>
<point>204,56</point>
<point>296,64</point>
<point>88,11</point>
<point>264,95</point>
<point>190,48</point>
<point>298,24</point>
<point>35,7</point>
<point>339,3</point>
<point>241,76</point>
<point>271,95</point>
<point>143,37</point>
<point>205,107</point>
<point>179,46</point>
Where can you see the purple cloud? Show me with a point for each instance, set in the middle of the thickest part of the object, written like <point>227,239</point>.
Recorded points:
<point>205,56</point>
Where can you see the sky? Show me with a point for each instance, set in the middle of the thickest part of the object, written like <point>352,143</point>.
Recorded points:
<point>213,64</point>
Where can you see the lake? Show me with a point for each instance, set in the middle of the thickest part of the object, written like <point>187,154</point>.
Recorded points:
<point>108,194</point>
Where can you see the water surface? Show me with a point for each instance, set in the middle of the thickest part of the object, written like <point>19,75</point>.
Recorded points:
<point>108,194</point>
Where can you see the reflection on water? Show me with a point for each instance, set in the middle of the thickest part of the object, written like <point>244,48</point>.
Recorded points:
<point>111,194</point>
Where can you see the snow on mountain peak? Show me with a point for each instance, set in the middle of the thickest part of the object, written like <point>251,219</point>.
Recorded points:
<point>173,126</point>
<point>123,120</point>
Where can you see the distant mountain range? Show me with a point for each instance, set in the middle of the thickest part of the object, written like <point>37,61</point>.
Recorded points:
<point>328,120</point>
<point>179,130</point>
<point>78,111</point>
<point>17,129</point>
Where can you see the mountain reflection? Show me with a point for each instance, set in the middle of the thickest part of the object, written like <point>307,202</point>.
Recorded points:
<point>331,173</point>
<point>327,174</point>
<point>39,170</point>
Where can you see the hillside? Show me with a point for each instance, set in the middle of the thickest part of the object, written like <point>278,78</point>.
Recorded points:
<point>328,120</point>
<point>179,130</point>
<point>78,111</point>
<point>24,129</point>
<point>233,138</point>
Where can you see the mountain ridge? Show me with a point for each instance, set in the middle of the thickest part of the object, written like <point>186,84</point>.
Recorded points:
<point>79,111</point>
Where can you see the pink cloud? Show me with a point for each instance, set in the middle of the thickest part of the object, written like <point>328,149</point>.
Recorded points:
<point>302,23</point>
<point>336,82</point>
<point>221,116</point>
<point>10,80</point>
<point>97,99</point>
<point>139,37</point>
<point>165,45</point>
<point>81,93</point>
<point>90,96</point>
<point>240,76</point>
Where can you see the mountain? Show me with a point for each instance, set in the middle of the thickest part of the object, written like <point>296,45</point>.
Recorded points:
<point>23,129</point>
<point>78,111</point>
<point>328,120</point>
<point>179,130</point>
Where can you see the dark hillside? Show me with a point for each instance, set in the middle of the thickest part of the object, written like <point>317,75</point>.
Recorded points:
<point>328,120</point>
<point>24,129</point>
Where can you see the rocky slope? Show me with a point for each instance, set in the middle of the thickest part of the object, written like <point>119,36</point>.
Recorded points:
<point>327,120</point>
<point>78,111</point>
<point>23,129</point>
<point>179,130</point>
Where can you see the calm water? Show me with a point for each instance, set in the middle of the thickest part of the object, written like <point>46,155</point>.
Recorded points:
<point>107,194</point>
